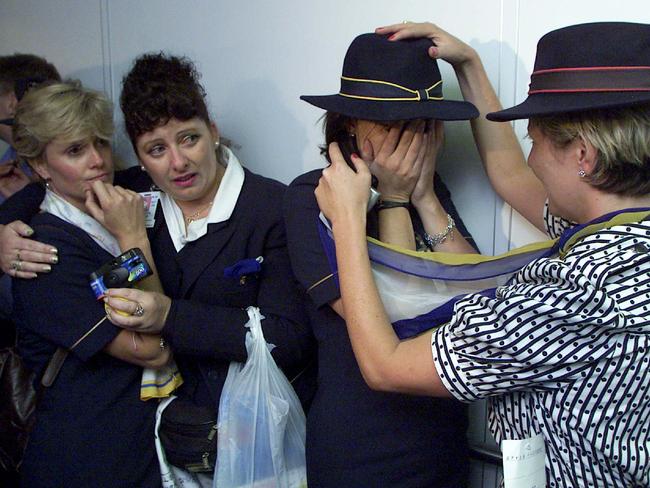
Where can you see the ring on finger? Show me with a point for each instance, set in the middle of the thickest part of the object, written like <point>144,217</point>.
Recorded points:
<point>139,310</point>
<point>18,254</point>
<point>17,265</point>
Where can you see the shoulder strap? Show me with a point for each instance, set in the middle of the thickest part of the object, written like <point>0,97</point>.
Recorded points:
<point>54,366</point>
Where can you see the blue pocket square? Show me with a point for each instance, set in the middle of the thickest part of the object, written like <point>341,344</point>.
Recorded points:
<point>244,267</point>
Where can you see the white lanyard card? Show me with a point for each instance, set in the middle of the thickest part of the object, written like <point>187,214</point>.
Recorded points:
<point>523,462</point>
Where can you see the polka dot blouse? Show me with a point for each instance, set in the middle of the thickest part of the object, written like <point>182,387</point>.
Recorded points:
<point>564,350</point>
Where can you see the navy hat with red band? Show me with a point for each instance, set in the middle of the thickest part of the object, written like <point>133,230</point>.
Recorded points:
<point>586,67</point>
<point>391,80</point>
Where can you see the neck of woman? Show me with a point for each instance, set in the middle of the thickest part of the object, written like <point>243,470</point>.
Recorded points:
<point>75,202</point>
<point>200,208</point>
<point>601,203</point>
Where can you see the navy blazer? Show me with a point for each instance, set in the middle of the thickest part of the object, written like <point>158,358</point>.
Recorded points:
<point>206,323</point>
<point>90,422</point>
<point>357,436</point>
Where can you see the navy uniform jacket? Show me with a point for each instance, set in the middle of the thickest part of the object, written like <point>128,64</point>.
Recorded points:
<point>357,436</point>
<point>91,428</point>
<point>205,325</point>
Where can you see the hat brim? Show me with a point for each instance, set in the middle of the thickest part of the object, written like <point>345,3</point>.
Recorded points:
<point>389,110</point>
<point>546,104</point>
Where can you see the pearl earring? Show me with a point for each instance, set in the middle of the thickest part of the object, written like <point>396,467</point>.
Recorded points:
<point>142,168</point>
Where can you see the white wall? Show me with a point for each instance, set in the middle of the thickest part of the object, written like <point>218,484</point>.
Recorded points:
<point>257,57</point>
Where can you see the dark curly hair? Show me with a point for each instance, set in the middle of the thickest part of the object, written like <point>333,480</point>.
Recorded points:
<point>160,87</point>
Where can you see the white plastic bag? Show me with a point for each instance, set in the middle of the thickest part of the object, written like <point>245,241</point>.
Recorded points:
<point>261,432</point>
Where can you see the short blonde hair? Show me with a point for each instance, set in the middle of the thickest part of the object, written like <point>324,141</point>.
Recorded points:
<point>622,138</point>
<point>65,110</point>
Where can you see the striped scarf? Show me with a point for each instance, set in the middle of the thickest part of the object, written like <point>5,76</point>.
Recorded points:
<point>419,289</point>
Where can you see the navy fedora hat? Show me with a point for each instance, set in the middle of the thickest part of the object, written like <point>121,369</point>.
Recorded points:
<point>391,80</point>
<point>582,67</point>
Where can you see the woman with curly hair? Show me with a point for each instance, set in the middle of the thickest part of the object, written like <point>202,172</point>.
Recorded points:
<point>219,232</point>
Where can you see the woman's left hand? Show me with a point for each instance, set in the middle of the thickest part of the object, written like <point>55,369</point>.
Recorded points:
<point>445,46</point>
<point>142,311</point>
<point>343,194</point>
<point>434,137</point>
<point>121,211</point>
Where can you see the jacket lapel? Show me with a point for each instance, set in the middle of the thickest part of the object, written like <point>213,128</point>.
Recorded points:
<point>165,255</point>
<point>197,255</point>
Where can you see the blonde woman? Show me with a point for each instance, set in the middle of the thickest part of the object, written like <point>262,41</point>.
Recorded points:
<point>91,426</point>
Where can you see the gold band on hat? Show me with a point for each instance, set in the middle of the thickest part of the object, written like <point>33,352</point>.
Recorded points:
<point>386,91</point>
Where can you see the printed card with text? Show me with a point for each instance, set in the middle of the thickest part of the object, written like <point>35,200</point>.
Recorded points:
<point>150,199</point>
<point>523,462</point>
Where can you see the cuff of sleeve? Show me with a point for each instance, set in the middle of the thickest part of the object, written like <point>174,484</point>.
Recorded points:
<point>324,291</point>
<point>448,366</point>
<point>191,329</point>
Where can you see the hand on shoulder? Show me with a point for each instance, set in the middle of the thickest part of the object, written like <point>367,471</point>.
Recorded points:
<point>20,255</point>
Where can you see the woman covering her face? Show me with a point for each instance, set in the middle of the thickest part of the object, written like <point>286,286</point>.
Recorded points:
<point>562,350</point>
<point>89,423</point>
<point>356,436</point>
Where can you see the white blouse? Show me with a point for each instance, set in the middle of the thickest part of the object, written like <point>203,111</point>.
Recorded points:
<point>222,206</point>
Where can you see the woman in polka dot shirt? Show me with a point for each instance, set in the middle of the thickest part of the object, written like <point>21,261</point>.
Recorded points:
<point>562,351</point>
